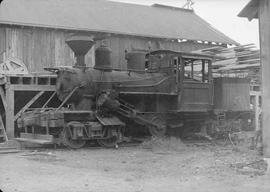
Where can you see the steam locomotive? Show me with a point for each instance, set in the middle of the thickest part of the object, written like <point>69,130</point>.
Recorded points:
<point>164,91</point>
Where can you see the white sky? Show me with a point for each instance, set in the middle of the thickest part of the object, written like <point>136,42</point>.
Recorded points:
<point>222,14</point>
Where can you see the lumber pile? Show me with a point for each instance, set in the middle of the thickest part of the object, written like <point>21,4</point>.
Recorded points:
<point>243,60</point>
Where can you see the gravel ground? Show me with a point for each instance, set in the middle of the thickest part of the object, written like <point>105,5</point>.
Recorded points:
<point>152,166</point>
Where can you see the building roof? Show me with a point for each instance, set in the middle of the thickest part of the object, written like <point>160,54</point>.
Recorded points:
<point>250,10</point>
<point>155,21</point>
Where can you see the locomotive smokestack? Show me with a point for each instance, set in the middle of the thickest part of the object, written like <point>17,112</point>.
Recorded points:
<point>80,45</point>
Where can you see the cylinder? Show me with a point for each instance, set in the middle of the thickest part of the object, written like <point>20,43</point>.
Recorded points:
<point>103,58</point>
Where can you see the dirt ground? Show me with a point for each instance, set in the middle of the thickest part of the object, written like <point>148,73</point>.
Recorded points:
<point>169,167</point>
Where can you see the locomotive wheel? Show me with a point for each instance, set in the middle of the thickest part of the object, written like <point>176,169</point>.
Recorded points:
<point>159,128</point>
<point>68,141</point>
<point>108,143</point>
<point>110,140</point>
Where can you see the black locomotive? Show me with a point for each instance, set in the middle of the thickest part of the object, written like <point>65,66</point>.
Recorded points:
<point>165,91</point>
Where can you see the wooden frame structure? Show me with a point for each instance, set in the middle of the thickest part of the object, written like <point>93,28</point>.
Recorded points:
<point>257,108</point>
<point>10,84</point>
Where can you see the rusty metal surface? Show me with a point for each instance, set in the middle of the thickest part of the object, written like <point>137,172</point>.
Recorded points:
<point>111,17</point>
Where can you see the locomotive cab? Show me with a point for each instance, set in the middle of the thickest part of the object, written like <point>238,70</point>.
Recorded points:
<point>193,77</point>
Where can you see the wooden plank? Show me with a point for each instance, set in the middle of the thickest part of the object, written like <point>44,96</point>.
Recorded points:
<point>2,126</point>
<point>147,93</point>
<point>10,129</point>
<point>9,151</point>
<point>32,87</point>
<point>37,141</point>
<point>38,95</point>
<point>2,43</point>
<point>3,97</point>
<point>37,136</point>
<point>49,100</point>
<point>8,40</point>
<point>257,112</point>
<point>264,27</point>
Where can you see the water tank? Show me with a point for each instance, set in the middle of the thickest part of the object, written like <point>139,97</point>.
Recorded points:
<point>135,60</point>
<point>103,58</point>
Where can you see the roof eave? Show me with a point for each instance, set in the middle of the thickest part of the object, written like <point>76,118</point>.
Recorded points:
<point>232,42</point>
<point>251,10</point>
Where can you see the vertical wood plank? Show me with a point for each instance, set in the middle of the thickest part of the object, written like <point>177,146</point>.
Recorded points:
<point>10,128</point>
<point>257,112</point>
<point>264,27</point>
<point>52,48</point>
<point>3,97</point>
<point>7,42</point>
<point>2,43</point>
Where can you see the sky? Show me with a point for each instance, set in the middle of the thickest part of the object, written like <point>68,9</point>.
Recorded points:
<point>221,14</point>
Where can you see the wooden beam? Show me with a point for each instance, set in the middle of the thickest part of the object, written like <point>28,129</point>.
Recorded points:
<point>203,70</point>
<point>3,97</point>
<point>3,127</point>
<point>19,87</point>
<point>257,112</point>
<point>10,129</point>
<point>28,104</point>
<point>49,100</point>
<point>264,27</point>
<point>192,69</point>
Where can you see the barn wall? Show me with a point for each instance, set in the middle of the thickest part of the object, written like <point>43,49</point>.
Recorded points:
<point>2,42</point>
<point>39,48</point>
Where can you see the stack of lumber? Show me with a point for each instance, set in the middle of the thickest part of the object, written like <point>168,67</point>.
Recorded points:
<point>235,59</point>
<point>243,60</point>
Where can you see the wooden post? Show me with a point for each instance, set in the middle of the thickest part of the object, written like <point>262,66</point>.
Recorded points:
<point>256,96</point>
<point>3,97</point>
<point>182,78</point>
<point>192,68</point>
<point>264,27</point>
<point>10,129</point>
<point>211,81</point>
<point>203,70</point>
<point>257,112</point>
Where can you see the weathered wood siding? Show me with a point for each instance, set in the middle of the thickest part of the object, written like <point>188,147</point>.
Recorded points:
<point>2,43</point>
<point>264,28</point>
<point>39,48</point>
<point>231,94</point>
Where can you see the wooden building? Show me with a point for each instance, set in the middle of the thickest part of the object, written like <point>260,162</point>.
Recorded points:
<point>36,30</point>
<point>260,9</point>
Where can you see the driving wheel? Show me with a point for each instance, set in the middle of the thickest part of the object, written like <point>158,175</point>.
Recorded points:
<point>109,139</point>
<point>67,136</point>
<point>108,143</point>
<point>158,128</point>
